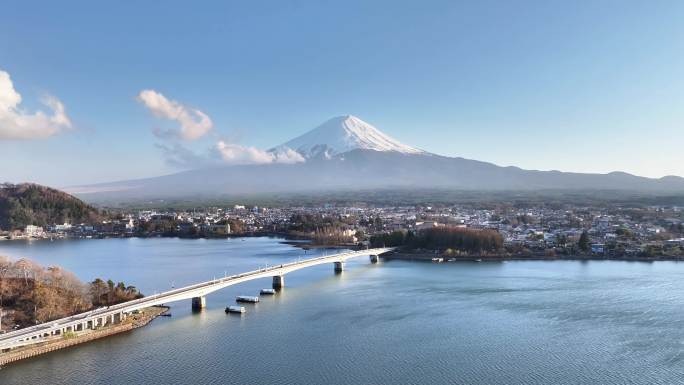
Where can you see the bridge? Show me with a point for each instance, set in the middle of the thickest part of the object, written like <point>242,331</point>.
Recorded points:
<point>117,313</point>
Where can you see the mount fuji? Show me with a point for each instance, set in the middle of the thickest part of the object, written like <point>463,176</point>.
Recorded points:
<point>343,134</point>
<point>346,154</point>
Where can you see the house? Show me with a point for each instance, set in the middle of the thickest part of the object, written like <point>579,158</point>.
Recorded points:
<point>597,248</point>
<point>65,227</point>
<point>218,228</point>
<point>130,225</point>
<point>675,242</point>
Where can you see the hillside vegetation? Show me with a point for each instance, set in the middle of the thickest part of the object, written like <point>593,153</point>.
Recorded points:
<point>31,204</point>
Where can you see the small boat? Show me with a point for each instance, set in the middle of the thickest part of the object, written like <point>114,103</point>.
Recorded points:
<point>437,260</point>
<point>246,298</point>
<point>235,309</point>
<point>478,260</point>
<point>267,291</point>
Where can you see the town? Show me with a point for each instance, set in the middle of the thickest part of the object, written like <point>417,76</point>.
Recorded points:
<point>648,232</point>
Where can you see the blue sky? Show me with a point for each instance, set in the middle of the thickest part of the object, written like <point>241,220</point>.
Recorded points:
<point>589,86</point>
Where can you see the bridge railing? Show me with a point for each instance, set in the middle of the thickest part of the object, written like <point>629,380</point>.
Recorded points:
<point>113,309</point>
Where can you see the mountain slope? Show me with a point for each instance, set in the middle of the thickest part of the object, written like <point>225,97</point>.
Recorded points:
<point>369,169</point>
<point>346,153</point>
<point>343,134</point>
<point>31,204</point>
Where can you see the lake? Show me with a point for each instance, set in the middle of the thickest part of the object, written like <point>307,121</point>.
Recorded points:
<point>527,322</point>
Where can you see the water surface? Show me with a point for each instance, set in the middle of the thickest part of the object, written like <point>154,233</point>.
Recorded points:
<point>533,322</point>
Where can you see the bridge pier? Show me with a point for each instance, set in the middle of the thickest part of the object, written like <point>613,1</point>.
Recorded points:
<point>339,267</point>
<point>119,317</point>
<point>199,303</point>
<point>278,282</point>
<point>374,258</point>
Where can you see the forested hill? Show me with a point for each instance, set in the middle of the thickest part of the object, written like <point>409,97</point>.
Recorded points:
<point>31,204</point>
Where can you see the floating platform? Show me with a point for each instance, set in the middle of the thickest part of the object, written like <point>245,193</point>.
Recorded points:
<point>246,298</point>
<point>235,309</point>
<point>267,291</point>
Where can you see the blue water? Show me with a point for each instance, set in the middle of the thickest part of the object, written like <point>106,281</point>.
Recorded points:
<point>534,322</point>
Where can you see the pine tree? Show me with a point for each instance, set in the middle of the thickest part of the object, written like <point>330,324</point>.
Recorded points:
<point>583,242</point>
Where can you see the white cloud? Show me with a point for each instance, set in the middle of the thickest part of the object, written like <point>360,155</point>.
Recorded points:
<point>16,123</point>
<point>224,153</point>
<point>235,154</point>
<point>231,153</point>
<point>288,156</point>
<point>193,123</point>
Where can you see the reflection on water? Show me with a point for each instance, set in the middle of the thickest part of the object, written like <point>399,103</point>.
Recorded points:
<point>395,322</point>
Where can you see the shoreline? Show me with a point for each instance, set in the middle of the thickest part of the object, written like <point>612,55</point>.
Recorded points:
<point>427,257</point>
<point>289,239</point>
<point>133,322</point>
<point>255,234</point>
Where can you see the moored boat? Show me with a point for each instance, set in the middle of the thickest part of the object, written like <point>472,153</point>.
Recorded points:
<point>246,298</point>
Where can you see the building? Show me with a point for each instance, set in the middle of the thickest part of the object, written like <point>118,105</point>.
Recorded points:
<point>34,231</point>
<point>65,227</point>
<point>597,248</point>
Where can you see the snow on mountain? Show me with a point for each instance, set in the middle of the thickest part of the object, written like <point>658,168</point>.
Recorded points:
<point>345,154</point>
<point>342,134</point>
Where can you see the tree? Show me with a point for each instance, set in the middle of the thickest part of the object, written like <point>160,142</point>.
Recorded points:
<point>98,288</point>
<point>561,240</point>
<point>110,292</point>
<point>583,242</point>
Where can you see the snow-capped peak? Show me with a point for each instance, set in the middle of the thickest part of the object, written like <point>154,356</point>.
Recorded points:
<point>342,134</point>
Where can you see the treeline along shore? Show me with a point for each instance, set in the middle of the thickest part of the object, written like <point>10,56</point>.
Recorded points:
<point>464,244</point>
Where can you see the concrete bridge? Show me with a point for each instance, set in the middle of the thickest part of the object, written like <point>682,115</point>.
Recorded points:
<point>117,313</point>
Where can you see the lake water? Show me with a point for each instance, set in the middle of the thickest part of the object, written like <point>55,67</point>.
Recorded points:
<point>396,322</point>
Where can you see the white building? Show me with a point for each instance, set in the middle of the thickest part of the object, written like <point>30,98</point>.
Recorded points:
<point>33,231</point>
<point>130,225</point>
<point>65,227</point>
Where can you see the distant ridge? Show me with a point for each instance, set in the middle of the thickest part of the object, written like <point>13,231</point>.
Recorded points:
<point>347,154</point>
